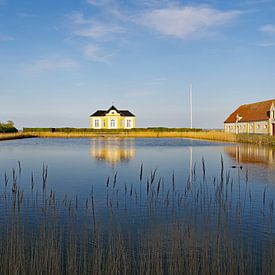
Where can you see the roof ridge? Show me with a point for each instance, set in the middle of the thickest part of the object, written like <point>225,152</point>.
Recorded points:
<point>269,100</point>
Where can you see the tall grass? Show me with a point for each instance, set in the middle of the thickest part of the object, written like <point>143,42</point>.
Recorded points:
<point>18,135</point>
<point>193,227</point>
<point>140,133</point>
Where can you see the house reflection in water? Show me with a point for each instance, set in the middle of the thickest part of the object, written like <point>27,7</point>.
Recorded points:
<point>113,151</point>
<point>248,153</point>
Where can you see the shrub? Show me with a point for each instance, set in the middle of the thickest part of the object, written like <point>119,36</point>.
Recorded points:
<point>7,127</point>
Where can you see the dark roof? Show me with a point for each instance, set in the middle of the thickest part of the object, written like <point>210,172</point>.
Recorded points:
<point>104,112</point>
<point>112,108</point>
<point>126,113</point>
<point>258,111</point>
<point>99,113</point>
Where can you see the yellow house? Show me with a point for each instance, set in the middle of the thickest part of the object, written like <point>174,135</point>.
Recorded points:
<point>112,119</point>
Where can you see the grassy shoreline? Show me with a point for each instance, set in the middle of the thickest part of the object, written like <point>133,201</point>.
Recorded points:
<point>219,136</point>
<point>211,135</point>
<point>18,135</point>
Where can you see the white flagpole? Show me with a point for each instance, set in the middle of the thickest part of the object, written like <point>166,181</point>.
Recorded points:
<point>191,105</point>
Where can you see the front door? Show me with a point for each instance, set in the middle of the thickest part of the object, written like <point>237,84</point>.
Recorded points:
<point>273,126</point>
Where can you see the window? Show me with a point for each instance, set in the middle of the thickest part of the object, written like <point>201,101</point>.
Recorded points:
<point>128,123</point>
<point>266,126</point>
<point>258,126</point>
<point>97,123</point>
<point>113,123</point>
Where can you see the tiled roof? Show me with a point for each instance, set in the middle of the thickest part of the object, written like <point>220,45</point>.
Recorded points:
<point>251,112</point>
<point>121,112</point>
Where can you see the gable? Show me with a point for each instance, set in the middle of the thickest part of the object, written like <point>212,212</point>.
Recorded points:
<point>112,112</point>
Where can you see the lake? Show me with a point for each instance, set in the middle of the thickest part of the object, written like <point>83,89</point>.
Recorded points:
<point>147,183</point>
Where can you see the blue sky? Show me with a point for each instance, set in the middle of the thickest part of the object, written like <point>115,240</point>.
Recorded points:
<point>62,60</point>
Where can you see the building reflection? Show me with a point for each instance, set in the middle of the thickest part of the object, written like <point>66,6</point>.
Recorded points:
<point>247,153</point>
<point>113,151</point>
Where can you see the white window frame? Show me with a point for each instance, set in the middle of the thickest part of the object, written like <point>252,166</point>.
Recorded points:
<point>128,123</point>
<point>113,123</point>
<point>97,123</point>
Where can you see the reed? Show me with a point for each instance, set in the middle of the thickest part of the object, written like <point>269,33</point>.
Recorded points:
<point>207,135</point>
<point>196,227</point>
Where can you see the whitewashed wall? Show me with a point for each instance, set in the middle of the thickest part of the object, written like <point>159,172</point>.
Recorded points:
<point>257,127</point>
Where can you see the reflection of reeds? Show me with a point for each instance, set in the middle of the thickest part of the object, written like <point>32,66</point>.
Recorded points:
<point>198,229</point>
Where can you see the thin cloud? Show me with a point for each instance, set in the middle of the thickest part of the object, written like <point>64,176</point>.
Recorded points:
<point>94,32</point>
<point>110,8</point>
<point>99,2</point>
<point>50,64</point>
<point>95,53</point>
<point>77,18</point>
<point>98,31</point>
<point>90,28</point>
<point>186,22</point>
<point>268,28</point>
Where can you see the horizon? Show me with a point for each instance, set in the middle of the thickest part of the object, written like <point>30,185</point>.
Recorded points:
<point>63,61</point>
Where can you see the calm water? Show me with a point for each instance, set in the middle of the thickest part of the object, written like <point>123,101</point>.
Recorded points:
<point>77,166</point>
